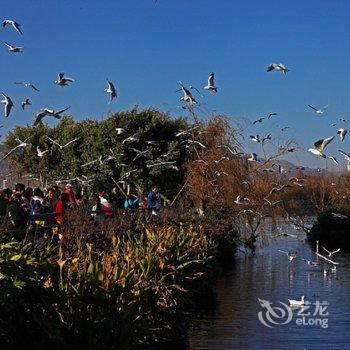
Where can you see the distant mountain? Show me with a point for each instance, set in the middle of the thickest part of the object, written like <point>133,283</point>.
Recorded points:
<point>292,169</point>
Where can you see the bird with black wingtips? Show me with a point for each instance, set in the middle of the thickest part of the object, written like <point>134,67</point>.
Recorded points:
<point>111,91</point>
<point>8,104</point>
<point>211,86</point>
<point>14,24</point>
<point>13,48</point>
<point>27,84</point>
<point>63,81</point>
<point>320,145</point>
<point>278,67</point>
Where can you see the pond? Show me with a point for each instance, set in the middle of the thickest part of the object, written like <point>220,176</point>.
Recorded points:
<point>268,275</point>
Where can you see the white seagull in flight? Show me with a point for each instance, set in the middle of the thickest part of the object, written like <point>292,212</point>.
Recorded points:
<point>319,146</point>
<point>65,145</point>
<point>14,49</point>
<point>46,111</point>
<point>342,133</point>
<point>211,86</point>
<point>8,104</point>
<point>187,97</point>
<point>14,24</point>
<point>277,66</point>
<point>21,144</point>
<point>27,84</point>
<point>111,91</point>
<point>25,103</point>
<point>319,110</point>
<point>62,80</point>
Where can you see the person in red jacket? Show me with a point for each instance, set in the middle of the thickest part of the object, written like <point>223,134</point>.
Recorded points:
<point>105,206</point>
<point>71,197</point>
<point>60,207</point>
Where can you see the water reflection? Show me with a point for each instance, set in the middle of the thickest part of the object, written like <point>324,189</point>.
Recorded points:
<point>270,276</point>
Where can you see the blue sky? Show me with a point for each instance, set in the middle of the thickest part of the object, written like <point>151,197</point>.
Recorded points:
<point>146,47</point>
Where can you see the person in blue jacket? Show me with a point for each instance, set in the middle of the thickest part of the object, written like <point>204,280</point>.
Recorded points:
<point>131,202</point>
<point>153,201</point>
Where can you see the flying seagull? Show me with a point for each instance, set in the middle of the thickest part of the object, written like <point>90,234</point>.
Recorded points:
<point>65,145</point>
<point>193,142</point>
<point>27,84</point>
<point>49,112</point>
<point>62,80</point>
<point>278,188</point>
<point>14,24</point>
<point>187,97</point>
<point>346,155</point>
<point>330,253</point>
<point>21,144</point>
<point>111,91</point>
<point>319,146</point>
<point>342,133</point>
<point>255,138</point>
<point>25,103</point>
<point>271,115</point>
<point>211,86</point>
<point>8,104</point>
<point>319,110</point>
<point>14,49</point>
<point>120,131</point>
<point>258,120</point>
<point>241,199</point>
<point>253,157</point>
<point>277,66</point>
<point>39,152</point>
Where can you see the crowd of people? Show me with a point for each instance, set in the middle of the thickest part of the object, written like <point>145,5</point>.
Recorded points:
<point>24,207</point>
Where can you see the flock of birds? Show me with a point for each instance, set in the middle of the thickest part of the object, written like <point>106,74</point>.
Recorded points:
<point>328,263</point>
<point>63,80</point>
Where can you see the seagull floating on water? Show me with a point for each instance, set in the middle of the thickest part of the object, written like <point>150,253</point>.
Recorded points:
<point>14,24</point>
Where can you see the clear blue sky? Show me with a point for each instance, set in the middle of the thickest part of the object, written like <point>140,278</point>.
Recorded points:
<point>145,47</point>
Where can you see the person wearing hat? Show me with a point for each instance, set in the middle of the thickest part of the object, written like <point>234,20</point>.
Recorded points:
<point>71,197</point>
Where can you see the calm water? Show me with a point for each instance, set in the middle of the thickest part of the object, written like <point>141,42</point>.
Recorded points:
<point>234,324</point>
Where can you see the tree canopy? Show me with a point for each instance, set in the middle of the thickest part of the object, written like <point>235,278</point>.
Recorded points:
<point>111,156</point>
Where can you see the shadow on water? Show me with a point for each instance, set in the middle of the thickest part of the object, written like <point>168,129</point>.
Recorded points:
<point>267,274</point>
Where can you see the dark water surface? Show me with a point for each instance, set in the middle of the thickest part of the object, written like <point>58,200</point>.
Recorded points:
<point>268,275</point>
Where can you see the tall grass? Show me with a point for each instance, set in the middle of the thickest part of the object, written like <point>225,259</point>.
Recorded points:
<point>106,286</point>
